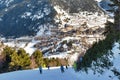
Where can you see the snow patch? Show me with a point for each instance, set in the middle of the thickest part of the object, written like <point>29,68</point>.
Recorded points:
<point>98,0</point>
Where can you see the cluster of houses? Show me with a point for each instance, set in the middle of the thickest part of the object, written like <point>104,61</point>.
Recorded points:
<point>85,36</point>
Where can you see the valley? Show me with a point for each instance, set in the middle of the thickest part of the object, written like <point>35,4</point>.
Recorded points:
<point>54,27</point>
<point>69,38</point>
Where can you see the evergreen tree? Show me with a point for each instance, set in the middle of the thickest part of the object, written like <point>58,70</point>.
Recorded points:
<point>38,57</point>
<point>7,52</point>
<point>20,60</point>
<point>15,59</point>
<point>100,49</point>
<point>46,61</point>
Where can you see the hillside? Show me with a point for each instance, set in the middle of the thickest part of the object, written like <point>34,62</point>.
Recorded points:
<point>113,73</point>
<point>25,17</point>
<point>64,29</point>
<point>52,26</point>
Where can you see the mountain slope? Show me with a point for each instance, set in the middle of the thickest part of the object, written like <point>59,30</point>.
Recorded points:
<point>25,17</point>
<point>113,73</point>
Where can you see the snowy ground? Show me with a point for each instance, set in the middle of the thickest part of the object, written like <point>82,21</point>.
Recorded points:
<point>55,74</point>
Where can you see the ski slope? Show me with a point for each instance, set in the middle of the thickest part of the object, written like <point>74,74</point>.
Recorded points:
<point>55,74</point>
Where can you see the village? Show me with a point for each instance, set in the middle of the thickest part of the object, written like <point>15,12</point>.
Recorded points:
<point>69,39</point>
<point>73,33</point>
<point>76,32</point>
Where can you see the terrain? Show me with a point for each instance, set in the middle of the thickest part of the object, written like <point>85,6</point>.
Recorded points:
<point>53,26</point>
<point>70,74</point>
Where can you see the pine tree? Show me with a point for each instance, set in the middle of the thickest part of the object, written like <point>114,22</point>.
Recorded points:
<point>46,61</point>
<point>38,57</point>
<point>7,52</point>
<point>14,64</point>
<point>20,60</point>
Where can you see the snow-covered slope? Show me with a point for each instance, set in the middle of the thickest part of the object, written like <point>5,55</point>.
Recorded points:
<point>55,74</point>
